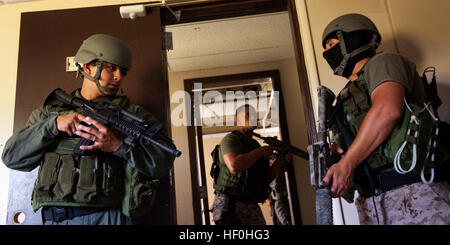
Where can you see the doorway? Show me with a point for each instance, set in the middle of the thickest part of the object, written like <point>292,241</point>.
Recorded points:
<point>221,96</point>
<point>209,53</point>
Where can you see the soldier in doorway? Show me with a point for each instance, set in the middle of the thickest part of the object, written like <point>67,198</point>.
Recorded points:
<point>244,173</point>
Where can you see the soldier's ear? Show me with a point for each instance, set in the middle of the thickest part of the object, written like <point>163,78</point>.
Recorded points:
<point>89,69</point>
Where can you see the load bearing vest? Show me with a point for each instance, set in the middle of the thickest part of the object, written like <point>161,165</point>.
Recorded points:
<point>412,137</point>
<point>414,145</point>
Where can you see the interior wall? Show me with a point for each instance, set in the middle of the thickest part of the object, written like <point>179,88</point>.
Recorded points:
<point>296,128</point>
<point>413,28</point>
<point>422,34</point>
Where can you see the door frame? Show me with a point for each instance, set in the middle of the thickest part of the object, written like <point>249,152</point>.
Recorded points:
<point>194,11</point>
<point>194,147</point>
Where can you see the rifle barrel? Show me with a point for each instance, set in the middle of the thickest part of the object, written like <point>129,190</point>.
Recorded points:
<point>294,150</point>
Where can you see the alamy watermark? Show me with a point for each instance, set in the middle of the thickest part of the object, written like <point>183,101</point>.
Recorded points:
<point>212,109</point>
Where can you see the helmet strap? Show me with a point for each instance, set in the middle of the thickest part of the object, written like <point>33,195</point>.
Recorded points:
<point>347,56</point>
<point>96,78</point>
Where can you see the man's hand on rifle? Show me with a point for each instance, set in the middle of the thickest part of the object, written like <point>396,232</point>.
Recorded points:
<point>282,160</point>
<point>339,178</point>
<point>105,139</point>
<point>69,122</point>
<point>266,151</point>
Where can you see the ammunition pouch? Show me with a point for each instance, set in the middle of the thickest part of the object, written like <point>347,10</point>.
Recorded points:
<point>98,180</point>
<point>140,193</point>
<point>78,181</point>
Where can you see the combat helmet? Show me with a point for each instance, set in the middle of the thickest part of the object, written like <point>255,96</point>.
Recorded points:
<point>101,48</point>
<point>347,24</point>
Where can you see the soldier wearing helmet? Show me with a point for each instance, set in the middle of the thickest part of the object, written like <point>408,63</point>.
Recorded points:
<point>103,51</point>
<point>94,188</point>
<point>383,125</point>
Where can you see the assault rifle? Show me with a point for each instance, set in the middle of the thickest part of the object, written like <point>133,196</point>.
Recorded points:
<point>132,127</point>
<point>319,156</point>
<point>283,146</point>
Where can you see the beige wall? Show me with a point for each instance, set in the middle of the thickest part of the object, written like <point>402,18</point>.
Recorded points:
<point>421,31</point>
<point>296,128</point>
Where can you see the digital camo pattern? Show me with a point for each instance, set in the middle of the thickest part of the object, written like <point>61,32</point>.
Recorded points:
<point>282,212</point>
<point>415,204</point>
<point>244,213</point>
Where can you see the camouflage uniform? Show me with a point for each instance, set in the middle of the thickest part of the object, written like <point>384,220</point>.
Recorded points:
<point>415,204</point>
<point>279,199</point>
<point>245,213</point>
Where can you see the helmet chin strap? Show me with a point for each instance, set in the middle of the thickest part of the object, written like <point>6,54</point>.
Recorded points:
<point>340,69</point>
<point>96,78</point>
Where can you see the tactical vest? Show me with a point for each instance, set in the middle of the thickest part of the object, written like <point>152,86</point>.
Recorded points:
<point>248,185</point>
<point>413,146</point>
<point>99,180</point>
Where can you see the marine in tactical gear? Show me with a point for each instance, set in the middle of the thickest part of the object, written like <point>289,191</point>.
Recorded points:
<point>242,173</point>
<point>116,183</point>
<point>384,124</point>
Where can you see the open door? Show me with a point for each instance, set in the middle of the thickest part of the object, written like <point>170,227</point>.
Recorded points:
<point>46,39</point>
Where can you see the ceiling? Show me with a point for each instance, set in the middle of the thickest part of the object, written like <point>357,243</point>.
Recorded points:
<point>233,41</point>
<point>227,42</point>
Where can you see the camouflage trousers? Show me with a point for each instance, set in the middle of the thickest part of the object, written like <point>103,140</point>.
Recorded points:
<point>415,204</point>
<point>282,212</point>
<point>244,213</point>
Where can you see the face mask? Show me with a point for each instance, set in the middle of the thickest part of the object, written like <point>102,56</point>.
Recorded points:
<point>333,56</point>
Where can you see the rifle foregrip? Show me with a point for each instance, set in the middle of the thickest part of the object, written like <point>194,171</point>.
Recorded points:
<point>324,207</point>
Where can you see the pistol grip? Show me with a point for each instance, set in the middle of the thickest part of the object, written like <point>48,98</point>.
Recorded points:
<point>83,141</point>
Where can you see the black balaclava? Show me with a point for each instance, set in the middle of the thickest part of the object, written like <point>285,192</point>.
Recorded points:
<point>353,41</point>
